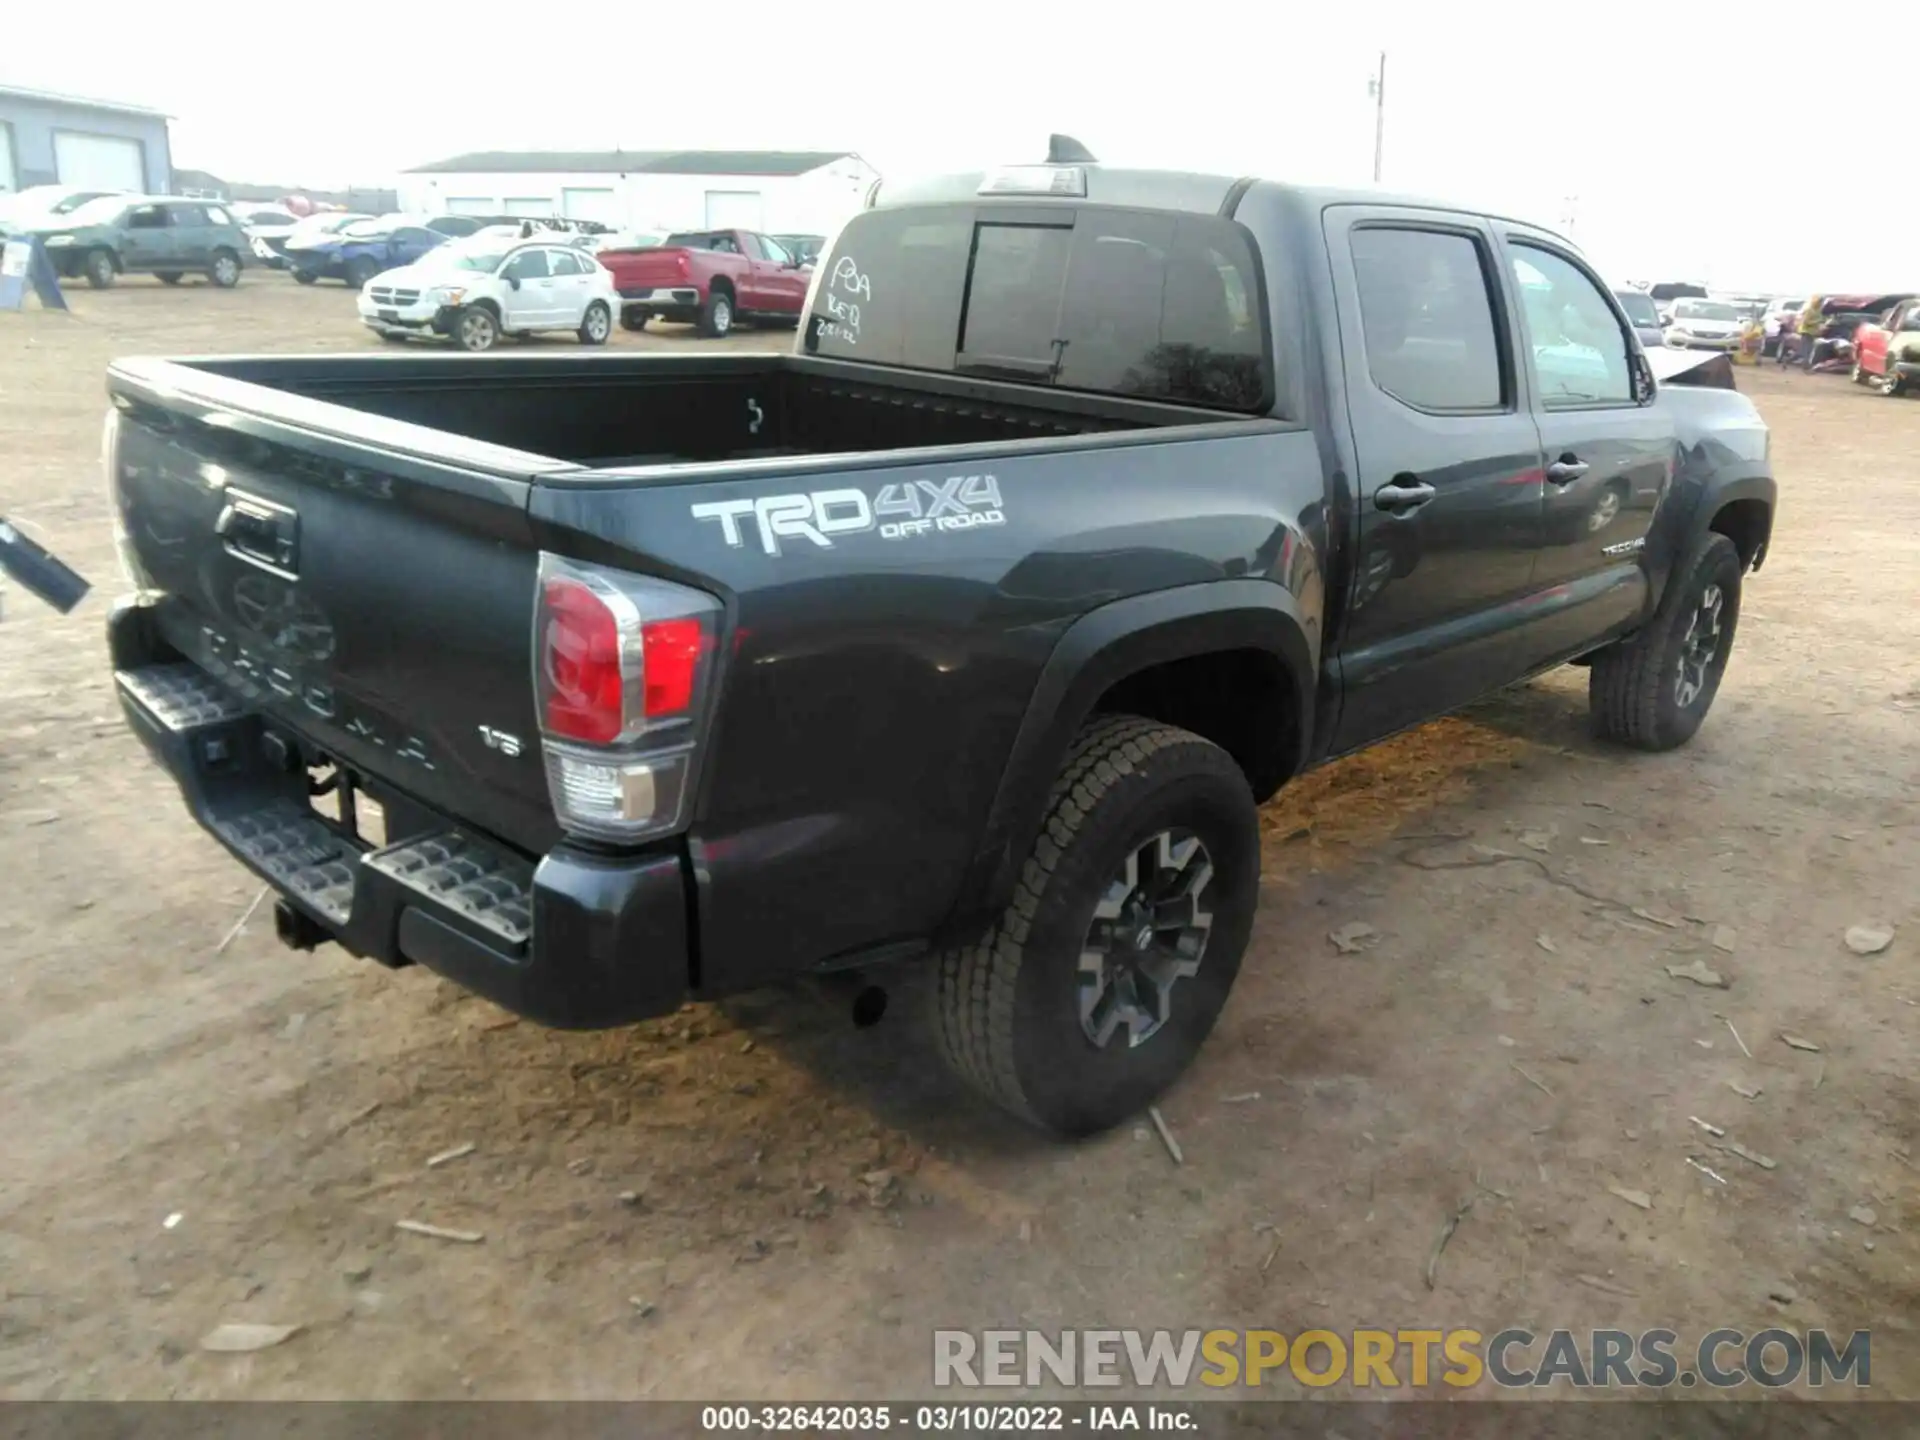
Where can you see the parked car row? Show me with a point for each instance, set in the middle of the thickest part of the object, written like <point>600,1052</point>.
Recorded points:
<point>322,246</point>
<point>468,279</point>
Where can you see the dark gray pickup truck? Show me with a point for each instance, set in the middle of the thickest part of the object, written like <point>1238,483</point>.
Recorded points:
<point>1092,507</point>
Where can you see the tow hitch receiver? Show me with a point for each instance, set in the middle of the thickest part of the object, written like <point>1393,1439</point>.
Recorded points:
<point>297,931</point>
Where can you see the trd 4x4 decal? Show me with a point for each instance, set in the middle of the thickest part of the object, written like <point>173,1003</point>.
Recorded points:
<point>898,511</point>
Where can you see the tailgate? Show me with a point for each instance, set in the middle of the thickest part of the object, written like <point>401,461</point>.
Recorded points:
<point>648,269</point>
<point>373,601</point>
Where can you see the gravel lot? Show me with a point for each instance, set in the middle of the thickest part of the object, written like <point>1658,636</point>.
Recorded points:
<point>794,1205</point>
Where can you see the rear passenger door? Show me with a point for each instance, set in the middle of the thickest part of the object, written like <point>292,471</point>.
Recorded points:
<point>569,286</point>
<point>1608,451</point>
<point>147,239</point>
<point>1449,468</point>
<point>192,236</point>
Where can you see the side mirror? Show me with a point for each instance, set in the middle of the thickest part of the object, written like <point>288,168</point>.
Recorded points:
<point>513,281</point>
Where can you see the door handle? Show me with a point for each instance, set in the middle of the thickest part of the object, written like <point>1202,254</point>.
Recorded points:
<point>1402,494</point>
<point>1566,471</point>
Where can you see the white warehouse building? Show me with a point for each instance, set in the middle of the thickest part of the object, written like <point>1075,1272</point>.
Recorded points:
<point>778,192</point>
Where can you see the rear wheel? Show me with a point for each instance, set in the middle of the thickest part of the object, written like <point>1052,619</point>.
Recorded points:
<point>304,277</point>
<point>225,271</point>
<point>597,325</point>
<point>101,269</point>
<point>1097,986</point>
<point>634,319</point>
<point>716,316</point>
<point>1653,690</point>
<point>360,271</point>
<point>477,329</point>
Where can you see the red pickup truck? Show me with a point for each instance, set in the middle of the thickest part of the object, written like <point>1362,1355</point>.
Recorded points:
<point>1886,350</point>
<point>710,278</point>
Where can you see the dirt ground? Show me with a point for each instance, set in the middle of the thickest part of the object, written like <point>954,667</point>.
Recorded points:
<point>694,1207</point>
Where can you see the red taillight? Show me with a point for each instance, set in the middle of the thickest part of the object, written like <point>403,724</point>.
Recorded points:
<point>581,653</point>
<point>682,264</point>
<point>622,670</point>
<point>673,649</point>
<point>586,689</point>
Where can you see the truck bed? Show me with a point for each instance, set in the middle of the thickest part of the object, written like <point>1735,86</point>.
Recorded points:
<point>349,544</point>
<point>617,412</point>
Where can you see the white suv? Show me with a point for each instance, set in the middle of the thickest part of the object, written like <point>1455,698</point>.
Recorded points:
<point>473,291</point>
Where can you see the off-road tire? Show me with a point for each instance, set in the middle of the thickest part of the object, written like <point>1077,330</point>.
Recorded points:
<point>1006,1008</point>
<point>716,316</point>
<point>1632,686</point>
<point>596,326</point>
<point>100,269</point>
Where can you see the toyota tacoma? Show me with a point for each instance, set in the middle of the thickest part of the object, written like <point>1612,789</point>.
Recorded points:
<point>1091,507</point>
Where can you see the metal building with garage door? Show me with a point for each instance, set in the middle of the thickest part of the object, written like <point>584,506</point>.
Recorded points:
<point>776,191</point>
<point>48,139</point>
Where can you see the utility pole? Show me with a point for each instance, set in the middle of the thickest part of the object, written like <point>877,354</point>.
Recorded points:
<point>1377,87</point>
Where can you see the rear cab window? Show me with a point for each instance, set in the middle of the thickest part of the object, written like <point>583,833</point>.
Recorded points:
<point>1151,304</point>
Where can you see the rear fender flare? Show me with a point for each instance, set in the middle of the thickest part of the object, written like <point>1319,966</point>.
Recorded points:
<point>1097,651</point>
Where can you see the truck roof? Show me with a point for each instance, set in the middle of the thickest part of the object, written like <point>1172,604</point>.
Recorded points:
<point>1190,191</point>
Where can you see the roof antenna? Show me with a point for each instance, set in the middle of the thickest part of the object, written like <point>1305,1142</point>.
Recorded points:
<point>1065,150</point>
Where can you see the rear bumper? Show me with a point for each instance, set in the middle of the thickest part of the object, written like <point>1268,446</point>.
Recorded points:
<point>572,939</point>
<point>660,299</point>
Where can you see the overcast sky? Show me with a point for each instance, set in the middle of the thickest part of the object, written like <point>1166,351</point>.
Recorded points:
<point>1686,140</point>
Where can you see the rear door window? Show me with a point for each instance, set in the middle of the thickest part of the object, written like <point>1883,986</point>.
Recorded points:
<point>1428,319</point>
<point>1155,304</point>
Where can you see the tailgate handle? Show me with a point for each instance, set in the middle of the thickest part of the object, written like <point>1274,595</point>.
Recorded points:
<point>261,531</point>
